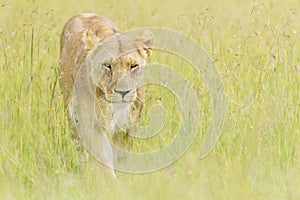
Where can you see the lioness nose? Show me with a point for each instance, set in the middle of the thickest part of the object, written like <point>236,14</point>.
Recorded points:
<point>123,93</point>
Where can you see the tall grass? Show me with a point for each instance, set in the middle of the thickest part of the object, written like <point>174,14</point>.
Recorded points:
<point>255,47</point>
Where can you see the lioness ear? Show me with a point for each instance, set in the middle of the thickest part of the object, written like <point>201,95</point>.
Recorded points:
<point>145,42</point>
<point>90,40</point>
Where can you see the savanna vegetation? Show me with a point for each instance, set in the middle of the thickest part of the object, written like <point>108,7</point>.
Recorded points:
<point>255,46</point>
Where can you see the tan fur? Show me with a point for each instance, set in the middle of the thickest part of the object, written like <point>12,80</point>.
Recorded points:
<point>83,39</point>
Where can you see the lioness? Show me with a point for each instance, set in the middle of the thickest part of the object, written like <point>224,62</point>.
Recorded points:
<point>111,73</point>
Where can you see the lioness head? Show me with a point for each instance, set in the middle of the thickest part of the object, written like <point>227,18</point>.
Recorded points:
<point>117,64</point>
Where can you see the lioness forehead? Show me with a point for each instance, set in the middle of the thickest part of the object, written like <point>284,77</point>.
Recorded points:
<point>126,60</point>
<point>116,46</point>
<point>125,44</point>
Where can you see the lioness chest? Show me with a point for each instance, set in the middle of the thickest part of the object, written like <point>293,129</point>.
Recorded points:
<point>120,116</point>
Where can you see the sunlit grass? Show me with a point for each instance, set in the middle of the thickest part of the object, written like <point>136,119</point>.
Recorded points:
<point>255,47</point>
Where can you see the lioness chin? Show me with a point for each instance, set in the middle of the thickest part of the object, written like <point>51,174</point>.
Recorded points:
<point>108,67</point>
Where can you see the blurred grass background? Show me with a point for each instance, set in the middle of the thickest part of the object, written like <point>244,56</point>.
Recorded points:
<point>255,47</point>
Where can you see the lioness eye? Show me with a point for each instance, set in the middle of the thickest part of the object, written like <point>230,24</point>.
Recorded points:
<point>133,66</point>
<point>107,66</point>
